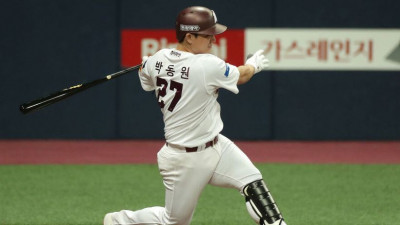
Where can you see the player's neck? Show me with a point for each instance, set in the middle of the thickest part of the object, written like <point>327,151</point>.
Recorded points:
<point>184,47</point>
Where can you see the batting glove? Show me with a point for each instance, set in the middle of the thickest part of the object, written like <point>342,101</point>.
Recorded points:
<point>258,61</point>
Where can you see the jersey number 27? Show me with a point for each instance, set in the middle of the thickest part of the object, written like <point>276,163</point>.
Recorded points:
<point>162,91</point>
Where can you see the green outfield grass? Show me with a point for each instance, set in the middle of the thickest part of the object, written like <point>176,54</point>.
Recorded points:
<point>306,194</point>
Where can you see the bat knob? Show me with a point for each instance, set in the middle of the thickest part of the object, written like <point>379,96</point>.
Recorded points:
<point>22,108</point>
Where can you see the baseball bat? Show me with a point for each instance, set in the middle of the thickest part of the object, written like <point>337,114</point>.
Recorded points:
<point>67,92</point>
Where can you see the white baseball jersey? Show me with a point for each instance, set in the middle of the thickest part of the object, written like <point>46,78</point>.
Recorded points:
<point>186,86</point>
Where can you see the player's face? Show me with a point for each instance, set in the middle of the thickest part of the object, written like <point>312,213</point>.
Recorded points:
<point>203,43</point>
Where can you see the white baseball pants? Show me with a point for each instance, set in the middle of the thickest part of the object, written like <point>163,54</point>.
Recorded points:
<point>185,175</point>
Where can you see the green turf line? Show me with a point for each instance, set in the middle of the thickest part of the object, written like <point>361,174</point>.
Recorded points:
<point>306,194</point>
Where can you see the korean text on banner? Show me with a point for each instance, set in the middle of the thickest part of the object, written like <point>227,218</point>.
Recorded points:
<point>327,49</point>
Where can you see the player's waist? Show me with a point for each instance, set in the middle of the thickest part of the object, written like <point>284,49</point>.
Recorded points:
<point>201,147</point>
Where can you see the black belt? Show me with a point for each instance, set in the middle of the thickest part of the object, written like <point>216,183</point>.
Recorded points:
<point>194,149</point>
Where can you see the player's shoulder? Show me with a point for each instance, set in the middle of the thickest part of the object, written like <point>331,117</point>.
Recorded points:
<point>206,57</point>
<point>209,62</point>
<point>214,66</point>
<point>155,59</point>
<point>159,54</point>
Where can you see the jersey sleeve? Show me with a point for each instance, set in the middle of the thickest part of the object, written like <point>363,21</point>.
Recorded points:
<point>145,79</point>
<point>219,74</point>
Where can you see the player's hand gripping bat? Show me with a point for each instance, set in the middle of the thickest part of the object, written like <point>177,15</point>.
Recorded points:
<point>65,93</point>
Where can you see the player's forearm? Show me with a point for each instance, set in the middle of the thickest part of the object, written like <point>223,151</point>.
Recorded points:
<point>246,73</point>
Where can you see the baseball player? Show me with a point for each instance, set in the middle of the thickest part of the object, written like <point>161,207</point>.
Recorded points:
<point>186,81</point>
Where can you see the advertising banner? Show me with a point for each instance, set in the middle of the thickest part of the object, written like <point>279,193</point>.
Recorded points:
<point>327,49</point>
<point>286,49</point>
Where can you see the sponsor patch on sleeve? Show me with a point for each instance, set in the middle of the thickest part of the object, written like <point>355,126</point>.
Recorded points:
<point>227,69</point>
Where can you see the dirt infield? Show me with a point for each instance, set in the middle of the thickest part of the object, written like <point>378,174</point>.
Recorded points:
<point>135,151</point>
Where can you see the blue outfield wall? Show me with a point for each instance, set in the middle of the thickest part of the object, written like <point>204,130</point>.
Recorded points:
<point>49,45</point>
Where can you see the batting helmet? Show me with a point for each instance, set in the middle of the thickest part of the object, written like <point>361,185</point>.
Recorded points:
<point>198,20</point>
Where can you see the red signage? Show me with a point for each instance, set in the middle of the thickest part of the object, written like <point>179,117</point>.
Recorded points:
<point>229,45</point>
